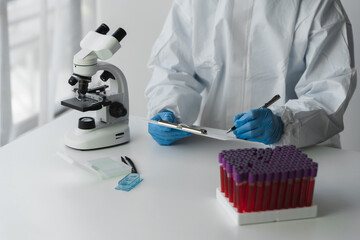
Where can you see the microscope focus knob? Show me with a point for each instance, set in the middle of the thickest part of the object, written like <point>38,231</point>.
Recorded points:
<point>106,75</point>
<point>86,123</point>
<point>117,110</point>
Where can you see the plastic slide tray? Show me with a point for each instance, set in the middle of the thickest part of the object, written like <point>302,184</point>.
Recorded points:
<point>265,216</point>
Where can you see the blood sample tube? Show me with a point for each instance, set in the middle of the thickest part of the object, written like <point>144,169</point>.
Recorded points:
<point>267,190</point>
<point>230,181</point>
<point>282,187</point>
<point>310,191</point>
<point>296,187</point>
<point>259,190</point>
<point>243,190</point>
<point>237,180</point>
<point>274,190</point>
<point>288,190</point>
<point>251,191</point>
<point>236,177</point>
<point>225,177</point>
<point>304,186</point>
<point>221,155</point>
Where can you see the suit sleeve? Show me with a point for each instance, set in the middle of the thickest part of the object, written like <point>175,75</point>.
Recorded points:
<point>327,84</point>
<point>173,85</point>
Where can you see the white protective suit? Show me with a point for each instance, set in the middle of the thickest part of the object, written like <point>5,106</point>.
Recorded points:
<point>215,59</point>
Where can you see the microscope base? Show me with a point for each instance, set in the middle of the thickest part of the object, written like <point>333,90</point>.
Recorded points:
<point>100,137</point>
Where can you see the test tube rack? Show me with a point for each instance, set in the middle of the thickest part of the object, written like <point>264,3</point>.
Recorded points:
<point>267,185</point>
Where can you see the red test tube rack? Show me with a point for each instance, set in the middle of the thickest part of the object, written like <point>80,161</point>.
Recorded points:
<point>276,184</point>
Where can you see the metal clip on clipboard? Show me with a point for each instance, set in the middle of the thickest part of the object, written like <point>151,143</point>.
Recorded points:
<point>182,126</point>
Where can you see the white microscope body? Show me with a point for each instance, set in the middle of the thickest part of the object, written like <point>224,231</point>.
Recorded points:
<point>111,105</point>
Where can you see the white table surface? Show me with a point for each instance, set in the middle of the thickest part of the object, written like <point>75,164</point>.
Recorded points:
<point>44,197</point>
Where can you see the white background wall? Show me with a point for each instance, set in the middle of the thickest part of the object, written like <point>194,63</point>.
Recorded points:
<point>143,20</point>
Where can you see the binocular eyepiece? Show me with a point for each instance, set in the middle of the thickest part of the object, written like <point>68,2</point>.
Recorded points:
<point>119,34</point>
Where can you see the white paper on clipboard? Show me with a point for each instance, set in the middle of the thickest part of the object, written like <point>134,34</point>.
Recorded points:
<point>219,134</point>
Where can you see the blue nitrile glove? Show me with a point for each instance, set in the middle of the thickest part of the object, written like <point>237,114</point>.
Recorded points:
<point>165,135</point>
<point>258,125</point>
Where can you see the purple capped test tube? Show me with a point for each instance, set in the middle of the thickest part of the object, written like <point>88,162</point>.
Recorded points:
<point>310,191</point>
<point>296,189</point>
<point>251,191</point>
<point>222,181</point>
<point>304,186</point>
<point>259,190</point>
<point>230,181</point>
<point>288,190</point>
<point>267,189</point>
<point>274,189</point>
<point>282,187</point>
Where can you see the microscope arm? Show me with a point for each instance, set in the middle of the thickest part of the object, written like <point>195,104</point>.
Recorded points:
<point>119,84</point>
<point>118,96</point>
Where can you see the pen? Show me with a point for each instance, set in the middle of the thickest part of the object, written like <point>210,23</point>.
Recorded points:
<point>182,126</point>
<point>274,99</point>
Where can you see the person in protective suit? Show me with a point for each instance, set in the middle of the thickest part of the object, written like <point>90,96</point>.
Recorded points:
<point>216,60</point>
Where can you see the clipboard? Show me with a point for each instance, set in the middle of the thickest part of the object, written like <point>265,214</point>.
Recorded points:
<point>219,134</point>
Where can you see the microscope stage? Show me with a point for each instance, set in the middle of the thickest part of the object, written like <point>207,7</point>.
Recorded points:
<point>86,104</point>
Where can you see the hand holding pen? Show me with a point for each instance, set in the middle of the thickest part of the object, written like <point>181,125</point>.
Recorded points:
<point>259,125</point>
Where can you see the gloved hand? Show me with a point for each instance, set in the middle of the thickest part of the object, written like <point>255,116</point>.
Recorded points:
<point>258,125</point>
<point>165,135</point>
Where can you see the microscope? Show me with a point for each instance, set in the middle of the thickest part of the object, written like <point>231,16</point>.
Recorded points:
<point>111,101</point>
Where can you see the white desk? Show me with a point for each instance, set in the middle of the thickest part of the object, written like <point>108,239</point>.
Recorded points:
<point>45,197</point>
